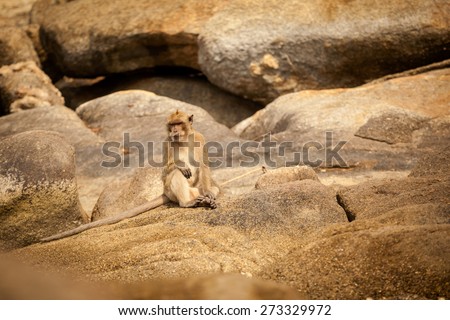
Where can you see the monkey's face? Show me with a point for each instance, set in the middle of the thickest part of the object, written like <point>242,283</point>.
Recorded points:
<point>179,126</point>
<point>177,131</point>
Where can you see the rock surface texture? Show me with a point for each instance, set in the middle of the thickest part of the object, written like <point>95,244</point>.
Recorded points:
<point>328,125</point>
<point>264,50</point>
<point>225,108</point>
<point>385,125</point>
<point>38,193</point>
<point>142,33</point>
<point>294,233</point>
<point>16,46</point>
<point>15,13</point>
<point>25,86</point>
<point>253,49</point>
<point>143,116</point>
<point>396,247</point>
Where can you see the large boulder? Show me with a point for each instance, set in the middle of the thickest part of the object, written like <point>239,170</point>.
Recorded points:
<point>84,41</point>
<point>397,248</point>
<point>255,50</point>
<point>290,208</point>
<point>369,261</point>
<point>385,125</point>
<point>244,234</point>
<point>92,177</point>
<point>422,197</point>
<point>24,86</point>
<point>374,198</point>
<point>261,50</point>
<point>59,119</point>
<point>38,193</point>
<point>224,107</point>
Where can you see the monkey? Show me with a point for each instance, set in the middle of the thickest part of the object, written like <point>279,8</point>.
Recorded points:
<point>186,175</point>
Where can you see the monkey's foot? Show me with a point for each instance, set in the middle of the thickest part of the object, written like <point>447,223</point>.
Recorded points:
<point>210,195</point>
<point>205,201</point>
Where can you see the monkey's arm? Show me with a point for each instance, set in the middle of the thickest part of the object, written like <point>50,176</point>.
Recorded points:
<point>180,165</point>
<point>156,202</point>
<point>185,170</point>
<point>171,165</point>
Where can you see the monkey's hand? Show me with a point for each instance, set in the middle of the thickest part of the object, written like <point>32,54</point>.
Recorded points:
<point>187,173</point>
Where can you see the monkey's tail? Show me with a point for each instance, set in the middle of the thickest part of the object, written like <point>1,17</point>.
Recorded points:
<point>156,202</point>
<point>262,170</point>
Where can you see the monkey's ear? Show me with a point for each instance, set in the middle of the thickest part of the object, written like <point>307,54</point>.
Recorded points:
<point>191,118</point>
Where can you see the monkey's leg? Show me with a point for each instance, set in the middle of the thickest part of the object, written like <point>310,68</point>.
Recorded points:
<point>180,189</point>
